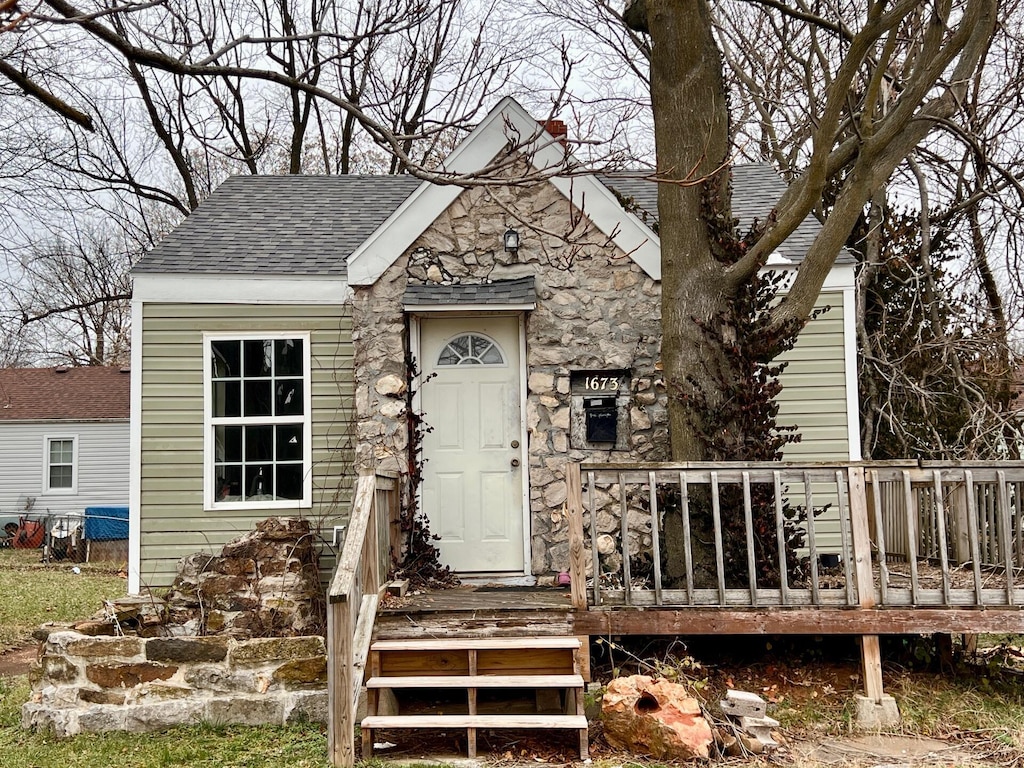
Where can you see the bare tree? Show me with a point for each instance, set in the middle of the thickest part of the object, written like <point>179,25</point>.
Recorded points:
<point>962,181</point>
<point>878,80</point>
<point>69,302</point>
<point>140,111</point>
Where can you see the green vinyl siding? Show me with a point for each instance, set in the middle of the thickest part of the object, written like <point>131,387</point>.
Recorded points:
<point>173,521</point>
<point>813,399</point>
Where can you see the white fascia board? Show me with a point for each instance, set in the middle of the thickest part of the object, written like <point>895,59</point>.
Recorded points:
<point>508,121</point>
<point>135,456</point>
<point>239,289</point>
<point>850,363</point>
<point>840,277</point>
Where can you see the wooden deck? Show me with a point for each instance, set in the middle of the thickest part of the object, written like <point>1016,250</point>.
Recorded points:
<point>921,549</point>
<point>473,612</point>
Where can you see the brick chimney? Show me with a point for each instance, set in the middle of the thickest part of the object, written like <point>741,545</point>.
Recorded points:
<point>557,130</point>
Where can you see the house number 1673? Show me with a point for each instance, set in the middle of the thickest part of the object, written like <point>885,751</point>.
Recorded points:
<point>603,383</point>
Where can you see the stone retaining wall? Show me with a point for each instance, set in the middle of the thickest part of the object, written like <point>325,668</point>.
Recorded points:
<point>83,684</point>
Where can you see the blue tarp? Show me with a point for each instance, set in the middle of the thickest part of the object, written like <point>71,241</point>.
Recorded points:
<point>103,523</point>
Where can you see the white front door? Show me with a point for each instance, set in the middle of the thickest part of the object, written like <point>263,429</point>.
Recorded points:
<point>472,475</point>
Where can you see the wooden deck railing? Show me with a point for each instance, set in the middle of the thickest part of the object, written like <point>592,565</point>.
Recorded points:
<point>827,535</point>
<point>352,605</point>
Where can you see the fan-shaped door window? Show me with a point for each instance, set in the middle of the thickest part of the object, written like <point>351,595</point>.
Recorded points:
<point>471,349</point>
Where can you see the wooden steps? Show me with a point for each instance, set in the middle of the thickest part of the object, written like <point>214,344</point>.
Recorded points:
<point>468,665</point>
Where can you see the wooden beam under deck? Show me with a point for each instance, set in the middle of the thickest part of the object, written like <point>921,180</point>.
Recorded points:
<point>817,621</point>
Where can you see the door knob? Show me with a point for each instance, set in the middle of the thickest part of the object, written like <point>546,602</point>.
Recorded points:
<point>515,463</point>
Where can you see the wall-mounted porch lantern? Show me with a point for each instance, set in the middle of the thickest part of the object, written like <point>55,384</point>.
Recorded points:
<point>511,239</point>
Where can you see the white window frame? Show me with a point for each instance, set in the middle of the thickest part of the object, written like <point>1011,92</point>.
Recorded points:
<point>47,489</point>
<point>210,502</point>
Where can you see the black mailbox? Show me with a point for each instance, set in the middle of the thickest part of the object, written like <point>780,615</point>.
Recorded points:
<point>601,419</point>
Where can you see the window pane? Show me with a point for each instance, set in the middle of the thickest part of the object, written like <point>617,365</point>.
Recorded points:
<point>448,357</point>
<point>257,357</point>
<point>257,481</point>
<point>288,357</point>
<point>227,398</point>
<point>228,443</point>
<point>60,451</point>
<point>60,477</point>
<point>289,481</point>
<point>492,356</point>
<point>288,398</point>
<point>257,398</point>
<point>226,359</point>
<point>259,443</point>
<point>289,443</point>
<point>229,482</point>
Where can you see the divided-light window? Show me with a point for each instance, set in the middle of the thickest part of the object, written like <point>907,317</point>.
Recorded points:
<point>258,407</point>
<point>60,465</point>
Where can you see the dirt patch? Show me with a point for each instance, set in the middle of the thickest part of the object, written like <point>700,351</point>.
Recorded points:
<point>17,661</point>
<point>875,749</point>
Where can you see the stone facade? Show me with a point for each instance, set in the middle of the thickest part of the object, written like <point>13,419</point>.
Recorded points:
<point>83,684</point>
<point>596,310</point>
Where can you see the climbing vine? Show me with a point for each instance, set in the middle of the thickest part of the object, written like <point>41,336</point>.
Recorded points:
<point>420,560</point>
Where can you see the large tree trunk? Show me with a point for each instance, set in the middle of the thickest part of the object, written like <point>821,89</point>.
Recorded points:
<point>691,128</point>
<point>691,131</point>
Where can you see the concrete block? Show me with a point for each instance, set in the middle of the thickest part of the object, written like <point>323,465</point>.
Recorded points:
<point>872,714</point>
<point>743,704</point>
<point>749,724</point>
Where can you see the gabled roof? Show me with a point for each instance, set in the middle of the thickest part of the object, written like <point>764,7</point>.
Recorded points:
<point>507,124</point>
<point>756,188</point>
<point>279,225</point>
<point>354,227</point>
<point>66,394</point>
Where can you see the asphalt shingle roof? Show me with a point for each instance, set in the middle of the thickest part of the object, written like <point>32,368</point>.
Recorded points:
<point>298,225</point>
<point>310,225</point>
<point>756,189</point>
<point>73,394</point>
<point>504,292</point>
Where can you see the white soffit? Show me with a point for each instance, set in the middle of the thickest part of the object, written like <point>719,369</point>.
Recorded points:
<point>508,120</point>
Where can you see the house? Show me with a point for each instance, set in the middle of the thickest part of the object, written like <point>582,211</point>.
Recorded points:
<point>283,332</point>
<point>63,440</point>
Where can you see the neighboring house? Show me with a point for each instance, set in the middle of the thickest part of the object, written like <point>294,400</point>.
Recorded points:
<point>277,330</point>
<point>63,440</point>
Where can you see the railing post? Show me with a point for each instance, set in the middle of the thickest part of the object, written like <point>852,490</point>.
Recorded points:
<point>577,555</point>
<point>860,529</point>
<point>339,686</point>
<point>958,506</point>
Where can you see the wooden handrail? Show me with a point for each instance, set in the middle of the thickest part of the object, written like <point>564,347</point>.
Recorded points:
<point>351,607</point>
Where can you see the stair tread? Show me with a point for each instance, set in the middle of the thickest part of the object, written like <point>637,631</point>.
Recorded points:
<point>475,721</point>
<point>476,681</point>
<point>480,643</point>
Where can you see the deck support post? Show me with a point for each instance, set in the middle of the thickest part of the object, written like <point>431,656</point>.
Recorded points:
<point>874,708</point>
<point>871,662</point>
